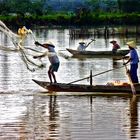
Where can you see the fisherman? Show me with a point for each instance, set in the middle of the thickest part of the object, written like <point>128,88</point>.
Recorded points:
<point>53,58</point>
<point>115,46</point>
<point>82,45</point>
<point>134,60</point>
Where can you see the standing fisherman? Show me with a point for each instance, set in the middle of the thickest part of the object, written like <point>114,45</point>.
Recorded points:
<point>134,60</point>
<point>53,58</point>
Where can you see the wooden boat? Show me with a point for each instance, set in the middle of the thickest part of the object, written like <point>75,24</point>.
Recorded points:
<point>76,53</point>
<point>64,87</point>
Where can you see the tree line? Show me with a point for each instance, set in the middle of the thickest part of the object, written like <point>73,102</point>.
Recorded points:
<point>89,12</point>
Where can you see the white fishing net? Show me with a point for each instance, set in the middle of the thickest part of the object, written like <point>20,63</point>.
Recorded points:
<point>25,53</point>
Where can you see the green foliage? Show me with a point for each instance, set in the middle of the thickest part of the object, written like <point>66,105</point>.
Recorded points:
<point>39,7</point>
<point>22,7</point>
<point>129,6</point>
<point>65,19</point>
<point>99,12</point>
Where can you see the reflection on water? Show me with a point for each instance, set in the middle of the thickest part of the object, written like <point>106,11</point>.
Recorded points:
<point>131,120</point>
<point>26,112</point>
<point>40,116</point>
<point>134,117</point>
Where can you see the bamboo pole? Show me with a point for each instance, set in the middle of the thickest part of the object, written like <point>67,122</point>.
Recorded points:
<point>130,80</point>
<point>94,75</point>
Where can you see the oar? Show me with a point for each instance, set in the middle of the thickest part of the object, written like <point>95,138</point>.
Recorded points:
<point>130,80</point>
<point>95,75</point>
<point>90,42</point>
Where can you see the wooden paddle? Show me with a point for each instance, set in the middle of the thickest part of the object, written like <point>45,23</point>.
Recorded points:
<point>94,75</point>
<point>90,42</point>
<point>130,80</point>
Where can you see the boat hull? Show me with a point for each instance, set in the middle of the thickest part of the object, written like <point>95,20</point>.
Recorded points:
<point>63,87</point>
<point>77,53</point>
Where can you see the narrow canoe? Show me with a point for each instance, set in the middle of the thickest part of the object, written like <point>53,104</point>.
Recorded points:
<point>64,87</point>
<point>119,53</point>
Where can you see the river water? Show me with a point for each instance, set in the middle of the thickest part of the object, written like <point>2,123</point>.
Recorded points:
<point>29,112</point>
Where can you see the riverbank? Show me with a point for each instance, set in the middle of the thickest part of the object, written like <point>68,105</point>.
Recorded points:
<point>103,24</point>
<point>68,20</point>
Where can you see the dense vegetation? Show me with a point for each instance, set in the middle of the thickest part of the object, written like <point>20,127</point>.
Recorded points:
<point>89,13</point>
